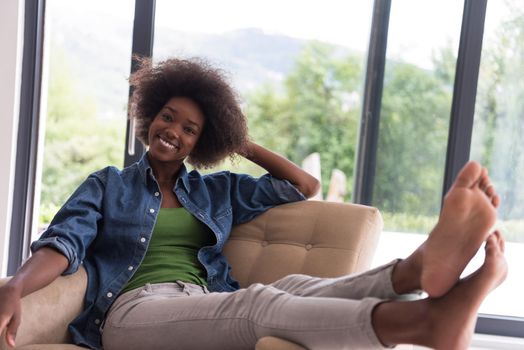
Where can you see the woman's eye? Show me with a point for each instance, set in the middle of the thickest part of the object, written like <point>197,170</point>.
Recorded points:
<point>167,117</point>
<point>190,131</point>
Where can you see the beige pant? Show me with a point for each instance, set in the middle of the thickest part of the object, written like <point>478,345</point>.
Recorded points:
<point>317,313</point>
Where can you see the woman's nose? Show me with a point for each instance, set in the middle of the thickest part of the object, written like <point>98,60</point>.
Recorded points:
<point>172,133</point>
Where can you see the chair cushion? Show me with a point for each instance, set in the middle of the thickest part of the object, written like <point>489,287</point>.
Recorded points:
<point>272,343</point>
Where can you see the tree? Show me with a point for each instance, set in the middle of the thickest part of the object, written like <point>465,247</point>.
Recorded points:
<point>317,111</point>
<point>412,140</point>
<point>499,114</point>
<point>77,140</point>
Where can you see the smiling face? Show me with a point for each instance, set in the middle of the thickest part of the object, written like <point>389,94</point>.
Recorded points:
<point>175,131</point>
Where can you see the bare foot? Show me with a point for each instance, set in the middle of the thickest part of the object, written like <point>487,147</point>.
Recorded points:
<point>447,322</point>
<point>468,214</point>
<point>453,316</point>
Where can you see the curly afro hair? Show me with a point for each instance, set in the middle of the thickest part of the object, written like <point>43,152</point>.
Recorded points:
<point>225,131</point>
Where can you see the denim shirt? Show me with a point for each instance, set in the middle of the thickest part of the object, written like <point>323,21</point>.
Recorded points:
<point>106,226</point>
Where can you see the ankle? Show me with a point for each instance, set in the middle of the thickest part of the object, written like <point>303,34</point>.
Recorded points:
<point>411,328</point>
<point>406,274</point>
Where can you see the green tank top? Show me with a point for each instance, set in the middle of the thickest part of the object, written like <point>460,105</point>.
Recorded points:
<point>172,252</point>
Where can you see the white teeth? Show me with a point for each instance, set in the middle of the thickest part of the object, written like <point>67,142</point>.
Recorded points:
<point>167,144</point>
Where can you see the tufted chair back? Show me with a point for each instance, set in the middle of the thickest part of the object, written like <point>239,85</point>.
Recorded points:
<point>315,238</point>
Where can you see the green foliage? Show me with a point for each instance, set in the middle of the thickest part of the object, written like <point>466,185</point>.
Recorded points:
<point>315,113</point>
<point>412,141</point>
<point>444,60</point>
<point>499,114</point>
<point>408,222</point>
<point>318,110</point>
<point>414,223</point>
<point>77,140</point>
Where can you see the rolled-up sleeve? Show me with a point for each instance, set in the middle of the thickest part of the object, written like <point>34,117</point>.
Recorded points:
<point>75,225</point>
<point>251,196</point>
<point>286,191</point>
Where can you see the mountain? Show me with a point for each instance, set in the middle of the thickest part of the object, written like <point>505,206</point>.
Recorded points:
<point>251,56</point>
<point>96,51</point>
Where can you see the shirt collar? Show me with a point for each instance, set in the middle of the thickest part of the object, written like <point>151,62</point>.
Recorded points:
<point>184,176</point>
<point>145,171</point>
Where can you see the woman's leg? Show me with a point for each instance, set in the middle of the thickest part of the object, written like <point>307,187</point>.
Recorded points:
<point>183,316</point>
<point>186,317</point>
<point>375,283</point>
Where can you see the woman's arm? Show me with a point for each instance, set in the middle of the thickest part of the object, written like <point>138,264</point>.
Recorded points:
<point>44,266</point>
<point>283,168</point>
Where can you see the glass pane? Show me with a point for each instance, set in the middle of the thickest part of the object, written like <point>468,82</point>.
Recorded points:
<point>497,138</point>
<point>414,121</point>
<point>84,98</point>
<point>416,104</point>
<point>299,68</point>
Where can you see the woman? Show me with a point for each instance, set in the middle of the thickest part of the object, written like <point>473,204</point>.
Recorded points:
<point>150,237</point>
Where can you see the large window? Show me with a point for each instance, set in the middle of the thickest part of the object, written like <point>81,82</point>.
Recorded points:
<point>84,96</point>
<point>497,139</point>
<point>415,111</point>
<point>299,68</point>
<point>414,114</point>
<point>414,121</point>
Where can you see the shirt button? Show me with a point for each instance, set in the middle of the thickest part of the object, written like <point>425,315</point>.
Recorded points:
<point>142,239</point>
<point>157,194</point>
<point>151,210</point>
<point>264,243</point>
<point>97,321</point>
<point>130,268</point>
<point>109,295</point>
<point>308,246</point>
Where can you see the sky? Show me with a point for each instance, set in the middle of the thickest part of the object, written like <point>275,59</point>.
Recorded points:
<point>343,22</point>
<point>417,27</point>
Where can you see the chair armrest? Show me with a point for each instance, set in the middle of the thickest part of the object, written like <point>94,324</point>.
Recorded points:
<point>47,312</point>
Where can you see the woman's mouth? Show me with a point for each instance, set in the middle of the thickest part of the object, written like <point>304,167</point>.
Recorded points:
<point>172,146</point>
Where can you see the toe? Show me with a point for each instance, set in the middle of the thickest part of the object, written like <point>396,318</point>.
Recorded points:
<point>495,200</point>
<point>495,241</point>
<point>500,241</point>
<point>490,190</point>
<point>484,181</point>
<point>491,243</point>
<point>469,175</point>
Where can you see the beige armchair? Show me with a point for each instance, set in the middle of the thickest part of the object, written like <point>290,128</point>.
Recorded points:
<point>315,238</point>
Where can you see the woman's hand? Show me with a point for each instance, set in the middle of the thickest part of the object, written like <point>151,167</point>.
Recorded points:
<point>10,312</point>
<point>42,268</point>
<point>282,168</point>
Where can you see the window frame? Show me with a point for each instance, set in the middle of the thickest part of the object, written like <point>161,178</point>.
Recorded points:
<point>143,38</point>
<point>28,132</point>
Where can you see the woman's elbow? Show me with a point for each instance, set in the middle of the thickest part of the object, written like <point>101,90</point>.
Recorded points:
<point>310,187</point>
